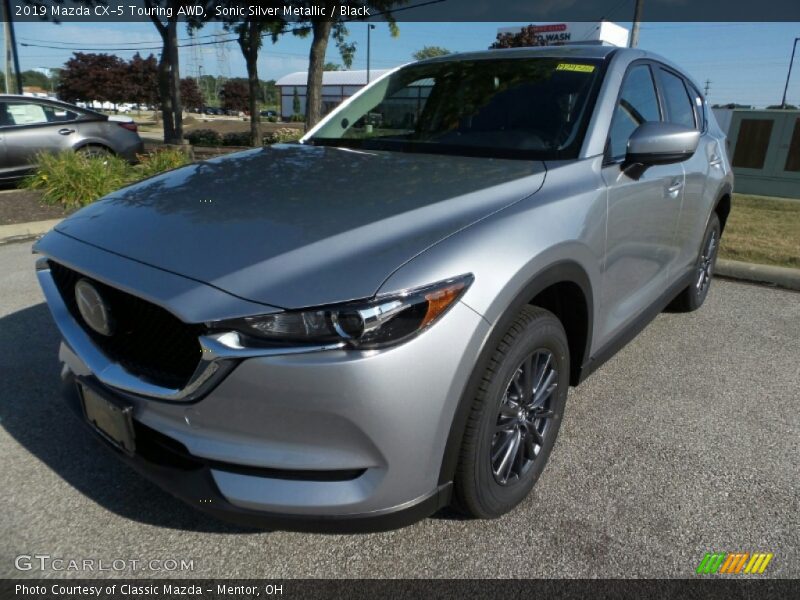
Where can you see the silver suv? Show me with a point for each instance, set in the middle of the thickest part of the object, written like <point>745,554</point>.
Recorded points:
<point>355,331</point>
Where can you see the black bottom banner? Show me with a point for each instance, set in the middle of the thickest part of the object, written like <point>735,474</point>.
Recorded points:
<point>723,589</point>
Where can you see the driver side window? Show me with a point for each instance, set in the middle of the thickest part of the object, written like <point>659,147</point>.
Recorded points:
<point>637,104</point>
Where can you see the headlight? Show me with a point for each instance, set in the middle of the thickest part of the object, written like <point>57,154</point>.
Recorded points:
<point>382,321</point>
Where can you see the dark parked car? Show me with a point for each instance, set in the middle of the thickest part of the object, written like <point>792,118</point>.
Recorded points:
<point>269,113</point>
<point>32,125</point>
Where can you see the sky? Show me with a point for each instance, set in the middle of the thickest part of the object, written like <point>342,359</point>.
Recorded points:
<point>745,62</point>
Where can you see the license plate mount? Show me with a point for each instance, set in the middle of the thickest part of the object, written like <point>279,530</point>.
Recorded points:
<point>110,417</point>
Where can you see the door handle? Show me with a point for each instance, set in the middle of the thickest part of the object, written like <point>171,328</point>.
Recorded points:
<point>66,131</point>
<point>674,188</point>
<point>715,161</point>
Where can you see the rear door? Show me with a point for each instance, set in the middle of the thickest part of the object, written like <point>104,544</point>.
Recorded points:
<point>643,208</point>
<point>32,126</point>
<point>704,170</point>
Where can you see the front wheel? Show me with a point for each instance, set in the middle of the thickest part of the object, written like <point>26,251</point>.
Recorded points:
<point>515,417</point>
<point>695,294</point>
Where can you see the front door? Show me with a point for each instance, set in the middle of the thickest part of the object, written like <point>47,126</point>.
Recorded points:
<point>30,127</point>
<point>643,209</point>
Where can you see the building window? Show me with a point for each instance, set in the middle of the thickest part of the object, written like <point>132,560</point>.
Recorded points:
<point>793,157</point>
<point>752,143</point>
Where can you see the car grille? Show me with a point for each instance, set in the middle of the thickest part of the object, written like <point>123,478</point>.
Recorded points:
<point>147,340</point>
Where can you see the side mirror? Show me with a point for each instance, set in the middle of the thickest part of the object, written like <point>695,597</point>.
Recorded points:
<point>657,143</point>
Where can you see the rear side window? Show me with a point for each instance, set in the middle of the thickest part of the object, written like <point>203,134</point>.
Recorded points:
<point>679,106</point>
<point>700,108</point>
<point>637,104</point>
<point>31,113</point>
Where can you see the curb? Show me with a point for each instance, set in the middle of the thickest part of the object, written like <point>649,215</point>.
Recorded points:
<point>732,269</point>
<point>19,232</point>
<point>764,274</point>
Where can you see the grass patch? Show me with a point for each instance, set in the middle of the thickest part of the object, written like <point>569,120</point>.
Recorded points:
<point>763,230</point>
<point>73,180</point>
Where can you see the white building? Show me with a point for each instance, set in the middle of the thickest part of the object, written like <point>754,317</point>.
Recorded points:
<point>337,86</point>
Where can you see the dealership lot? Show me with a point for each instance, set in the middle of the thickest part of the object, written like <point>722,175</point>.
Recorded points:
<point>684,443</point>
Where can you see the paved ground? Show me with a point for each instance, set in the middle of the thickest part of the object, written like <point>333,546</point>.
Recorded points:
<point>686,442</point>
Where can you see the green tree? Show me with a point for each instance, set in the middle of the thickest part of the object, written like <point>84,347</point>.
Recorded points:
<point>270,92</point>
<point>430,52</point>
<point>35,79</point>
<point>250,31</point>
<point>331,66</point>
<point>322,29</point>
<point>169,77</point>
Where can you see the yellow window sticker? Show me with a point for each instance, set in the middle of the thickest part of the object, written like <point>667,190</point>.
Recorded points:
<point>575,67</point>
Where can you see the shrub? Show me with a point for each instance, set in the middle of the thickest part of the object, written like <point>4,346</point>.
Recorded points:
<point>74,180</point>
<point>159,161</point>
<point>236,138</point>
<point>204,137</point>
<point>283,135</point>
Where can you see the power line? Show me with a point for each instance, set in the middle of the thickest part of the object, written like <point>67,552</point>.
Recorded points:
<point>154,41</point>
<point>126,49</point>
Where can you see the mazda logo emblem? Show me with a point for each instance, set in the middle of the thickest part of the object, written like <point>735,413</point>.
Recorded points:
<point>93,308</point>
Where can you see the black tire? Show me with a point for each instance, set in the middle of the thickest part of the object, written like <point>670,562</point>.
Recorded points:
<point>94,151</point>
<point>695,294</point>
<point>479,489</point>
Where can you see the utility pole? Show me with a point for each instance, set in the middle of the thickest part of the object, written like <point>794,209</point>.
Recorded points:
<point>11,49</point>
<point>708,87</point>
<point>637,19</point>
<point>789,74</point>
<point>370,27</point>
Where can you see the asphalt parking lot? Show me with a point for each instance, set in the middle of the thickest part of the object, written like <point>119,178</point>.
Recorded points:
<point>685,443</point>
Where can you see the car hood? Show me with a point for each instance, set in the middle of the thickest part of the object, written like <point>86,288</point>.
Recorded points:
<point>295,226</point>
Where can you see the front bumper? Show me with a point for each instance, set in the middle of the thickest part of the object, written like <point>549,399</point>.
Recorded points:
<point>192,481</point>
<point>335,440</point>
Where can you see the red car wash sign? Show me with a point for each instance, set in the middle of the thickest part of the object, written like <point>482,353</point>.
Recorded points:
<point>553,33</point>
<point>576,33</point>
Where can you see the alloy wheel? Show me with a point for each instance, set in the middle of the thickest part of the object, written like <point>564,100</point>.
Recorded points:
<point>524,418</point>
<point>705,267</point>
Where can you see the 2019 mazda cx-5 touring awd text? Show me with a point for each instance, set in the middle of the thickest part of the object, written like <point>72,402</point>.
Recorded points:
<point>354,331</point>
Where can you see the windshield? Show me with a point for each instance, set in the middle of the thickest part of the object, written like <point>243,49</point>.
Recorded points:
<point>515,108</point>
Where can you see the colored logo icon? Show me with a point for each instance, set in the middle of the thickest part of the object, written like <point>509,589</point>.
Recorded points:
<point>734,563</point>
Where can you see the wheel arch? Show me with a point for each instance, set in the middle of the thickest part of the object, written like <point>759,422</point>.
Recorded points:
<point>723,206</point>
<point>93,142</point>
<point>563,288</point>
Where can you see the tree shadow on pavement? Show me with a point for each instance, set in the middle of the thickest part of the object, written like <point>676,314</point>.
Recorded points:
<point>32,412</point>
